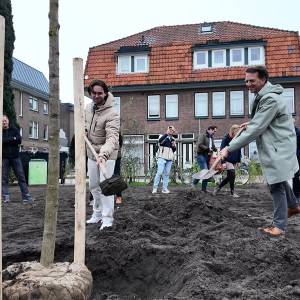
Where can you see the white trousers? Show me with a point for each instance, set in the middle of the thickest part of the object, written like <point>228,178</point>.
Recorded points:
<point>103,205</point>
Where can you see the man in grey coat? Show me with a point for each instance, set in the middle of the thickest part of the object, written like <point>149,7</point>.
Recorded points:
<point>272,127</point>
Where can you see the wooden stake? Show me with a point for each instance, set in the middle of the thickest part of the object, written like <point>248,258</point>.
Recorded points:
<point>80,162</point>
<point>2,41</point>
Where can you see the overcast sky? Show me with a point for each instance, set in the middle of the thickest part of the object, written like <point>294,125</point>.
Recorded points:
<point>87,23</point>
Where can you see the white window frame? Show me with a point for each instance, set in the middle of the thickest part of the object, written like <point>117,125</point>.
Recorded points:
<point>201,66</point>
<point>289,95</point>
<point>251,97</point>
<point>260,61</point>
<point>119,70</point>
<point>32,101</point>
<point>21,105</point>
<point>35,130</point>
<point>129,61</point>
<point>117,104</point>
<point>236,95</point>
<point>201,100</point>
<point>146,58</point>
<point>237,63</point>
<point>151,101</point>
<point>214,95</point>
<point>171,100</point>
<point>218,65</point>
<point>45,111</point>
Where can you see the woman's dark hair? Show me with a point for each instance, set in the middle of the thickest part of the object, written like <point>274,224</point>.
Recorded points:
<point>260,70</point>
<point>99,83</point>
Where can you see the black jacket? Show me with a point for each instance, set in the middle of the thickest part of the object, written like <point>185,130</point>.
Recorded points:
<point>166,141</point>
<point>234,156</point>
<point>11,139</point>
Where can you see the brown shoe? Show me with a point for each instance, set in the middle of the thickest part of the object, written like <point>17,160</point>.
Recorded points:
<point>293,211</point>
<point>273,231</point>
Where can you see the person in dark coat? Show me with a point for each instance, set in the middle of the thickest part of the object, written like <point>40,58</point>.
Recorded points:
<point>11,140</point>
<point>205,148</point>
<point>296,180</point>
<point>232,161</point>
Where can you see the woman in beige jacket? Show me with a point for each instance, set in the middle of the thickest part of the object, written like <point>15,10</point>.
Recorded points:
<point>102,127</point>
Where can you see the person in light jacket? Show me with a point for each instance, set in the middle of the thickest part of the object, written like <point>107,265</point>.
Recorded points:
<point>102,129</point>
<point>167,147</point>
<point>272,127</point>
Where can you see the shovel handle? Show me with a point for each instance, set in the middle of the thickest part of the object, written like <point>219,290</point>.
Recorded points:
<point>94,153</point>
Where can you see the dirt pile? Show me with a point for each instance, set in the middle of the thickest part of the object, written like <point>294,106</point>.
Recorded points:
<point>185,245</point>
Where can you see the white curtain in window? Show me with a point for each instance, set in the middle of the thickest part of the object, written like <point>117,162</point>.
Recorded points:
<point>288,96</point>
<point>171,106</point>
<point>117,101</point>
<point>140,63</point>
<point>153,106</point>
<point>124,64</point>
<point>251,97</point>
<point>236,102</point>
<point>218,104</point>
<point>201,104</point>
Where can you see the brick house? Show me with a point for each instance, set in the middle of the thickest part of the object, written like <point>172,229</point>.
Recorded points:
<point>192,76</point>
<point>31,99</point>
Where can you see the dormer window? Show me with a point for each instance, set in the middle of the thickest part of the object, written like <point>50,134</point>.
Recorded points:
<point>133,59</point>
<point>206,28</point>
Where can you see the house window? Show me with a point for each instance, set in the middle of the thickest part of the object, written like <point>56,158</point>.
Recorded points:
<point>289,96</point>
<point>45,133</point>
<point>236,103</point>
<point>45,108</point>
<point>200,59</point>
<point>33,130</point>
<point>21,105</point>
<point>133,147</point>
<point>237,57</point>
<point>187,136</point>
<point>201,105</point>
<point>218,58</point>
<point>171,106</point>
<point>251,97</point>
<point>218,104</point>
<point>33,104</point>
<point>252,148</point>
<point>153,107</point>
<point>117,101</point>
<point>256,56</point>
<point>132,64</point>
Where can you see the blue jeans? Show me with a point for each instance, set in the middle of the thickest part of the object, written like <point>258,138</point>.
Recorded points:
<point>17,167</point>
<point>202,161</point>
<point>283,198</point>
<point>163,168</point>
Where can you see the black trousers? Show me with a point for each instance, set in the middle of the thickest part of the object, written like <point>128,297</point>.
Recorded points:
<point>229,178</point>
<point>296,182</point>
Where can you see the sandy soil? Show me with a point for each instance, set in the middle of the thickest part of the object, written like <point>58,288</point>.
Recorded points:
<point>185,245</point>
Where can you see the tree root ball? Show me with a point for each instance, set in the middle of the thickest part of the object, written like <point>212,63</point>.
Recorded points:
<point>30,280</point>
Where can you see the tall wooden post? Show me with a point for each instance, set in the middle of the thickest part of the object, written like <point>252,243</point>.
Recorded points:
<point>80,162</point>
<point>2,40</point>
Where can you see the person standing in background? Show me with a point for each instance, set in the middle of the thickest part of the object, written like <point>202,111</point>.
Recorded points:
<point>11,140</point>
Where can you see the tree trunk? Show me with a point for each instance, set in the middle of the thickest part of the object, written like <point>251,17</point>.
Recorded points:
<point>50,220</point>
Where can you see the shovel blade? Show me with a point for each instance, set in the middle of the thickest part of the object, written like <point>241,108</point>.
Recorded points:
<point>200,174</point>
<point>209,174</point>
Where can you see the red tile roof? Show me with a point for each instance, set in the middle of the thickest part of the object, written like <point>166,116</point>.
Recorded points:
<point>171,54</point>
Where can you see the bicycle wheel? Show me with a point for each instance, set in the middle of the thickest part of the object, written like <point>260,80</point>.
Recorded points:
<point>241,176</point>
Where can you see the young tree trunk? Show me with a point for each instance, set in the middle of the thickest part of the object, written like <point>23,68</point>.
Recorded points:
<point>50,220</point>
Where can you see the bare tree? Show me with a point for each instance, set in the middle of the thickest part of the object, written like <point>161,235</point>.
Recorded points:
<point>50,220</point>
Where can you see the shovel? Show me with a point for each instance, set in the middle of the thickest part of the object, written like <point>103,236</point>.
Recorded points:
<point>206,174</point>
<point>110,186</point>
